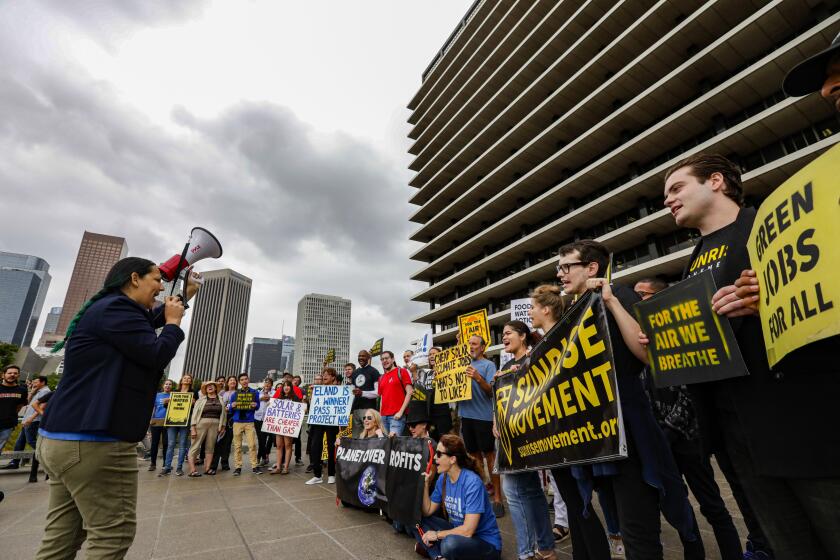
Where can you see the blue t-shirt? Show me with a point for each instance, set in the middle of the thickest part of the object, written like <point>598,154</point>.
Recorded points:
<point>468,495</point>
<point>160,410</point>
<point>480,406</point>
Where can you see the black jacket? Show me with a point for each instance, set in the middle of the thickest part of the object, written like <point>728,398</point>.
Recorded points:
<point>112,366</point>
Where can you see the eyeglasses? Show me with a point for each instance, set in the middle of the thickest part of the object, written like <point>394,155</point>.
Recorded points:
<point>566,267</point>
<point>439,454</point>
<point>643,294</point>
<point>368,417</point>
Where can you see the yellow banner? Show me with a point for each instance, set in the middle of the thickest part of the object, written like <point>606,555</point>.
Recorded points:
<point>793,248</point>
<point>178,410</point>
<point>330,358</point>
<point>473,323</point>
<point>451,380</point>
<point>376,349</point>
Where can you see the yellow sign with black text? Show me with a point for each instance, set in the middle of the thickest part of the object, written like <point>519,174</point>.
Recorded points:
<point>474,323</point>
<point>794,250</point>
<point>178,410</point>
<point>376,349</point>
<point>452,383</point>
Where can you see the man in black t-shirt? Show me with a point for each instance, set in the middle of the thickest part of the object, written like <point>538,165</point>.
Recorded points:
<point>12,399</point>
<point>768,424</point>
<point>365,382</point>
<point>648,481</point>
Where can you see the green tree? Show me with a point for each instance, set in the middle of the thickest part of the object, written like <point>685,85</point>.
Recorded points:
<point>7,354</point>
<point>52,380</point>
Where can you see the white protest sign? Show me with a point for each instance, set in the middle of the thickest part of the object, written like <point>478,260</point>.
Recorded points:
<point>519,311</point>
<point>421,355</point>
<point>331,405</point>
<point>283,417</point>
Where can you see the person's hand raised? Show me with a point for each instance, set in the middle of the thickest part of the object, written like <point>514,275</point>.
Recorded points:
<point>173,310</point>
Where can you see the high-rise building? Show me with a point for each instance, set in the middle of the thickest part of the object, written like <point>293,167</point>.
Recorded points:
<point>288,352</point>
<point>539,123</point>
<point>323,322</point>
<point>216,335</point>
<point>263,355</point>
<point>24,281</point>
<point>51,323</point>
<point>97,254</point>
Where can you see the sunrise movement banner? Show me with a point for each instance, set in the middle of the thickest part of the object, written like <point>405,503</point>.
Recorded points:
<point>689,342</point>
<point>564,408</point>
<point>794,250</point>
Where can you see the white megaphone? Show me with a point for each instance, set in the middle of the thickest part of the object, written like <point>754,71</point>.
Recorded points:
<point>201,245</point>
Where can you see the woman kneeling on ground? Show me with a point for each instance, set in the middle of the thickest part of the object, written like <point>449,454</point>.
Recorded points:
<point>468,529</point>
<point>372,423</point>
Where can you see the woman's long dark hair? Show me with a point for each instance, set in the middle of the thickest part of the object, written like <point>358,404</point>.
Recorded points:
<point>454,446</point>
<point>292,396</point>
<point>117,277</point>
<point>531,337</point>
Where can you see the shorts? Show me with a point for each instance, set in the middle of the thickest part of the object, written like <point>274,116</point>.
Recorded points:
<point>478,435</point>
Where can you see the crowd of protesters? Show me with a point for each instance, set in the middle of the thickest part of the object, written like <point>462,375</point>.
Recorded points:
<point>762,429</point>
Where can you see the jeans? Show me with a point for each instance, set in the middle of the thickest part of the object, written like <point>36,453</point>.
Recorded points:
<point>28,434</point>
<point>93,497</point>
<point>697,471</point>
<point>174,434</point>
<point>159,433</point>
<point>529,513</point>
<point>456,547</point>
<point>606,498</point>
<point>4,436</point>
<point>799,516</point>
<point>391,424</point>
<point>589,541</point>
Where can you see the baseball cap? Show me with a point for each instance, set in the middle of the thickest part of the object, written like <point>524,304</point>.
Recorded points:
<point>809,75</point>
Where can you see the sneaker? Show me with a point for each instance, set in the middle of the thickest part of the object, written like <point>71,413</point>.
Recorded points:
<point>225,467</point>
<point>152,468</point>
<point>165,471</point>
<point>499,509</point>
<point>298,461</point>
<point>11,466</point>
<point>179,472</point>
<point>315,480</point>
<point>616,546</point>
<point>560,533</point>
<point>331,480</point>
<point>256,470</point>
<point>237,471</point>
<point>310,468</point>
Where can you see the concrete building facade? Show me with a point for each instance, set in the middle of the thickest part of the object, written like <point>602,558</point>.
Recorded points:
<point>97,254</point>
<point>539,123</point>
<point>323,322</point>
<point>216,337</point>
<point>24,281</point>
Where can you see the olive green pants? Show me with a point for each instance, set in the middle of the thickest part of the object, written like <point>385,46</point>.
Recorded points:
<point>93,496</point>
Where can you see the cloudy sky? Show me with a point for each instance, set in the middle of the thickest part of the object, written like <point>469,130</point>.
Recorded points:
<point>278,125</point>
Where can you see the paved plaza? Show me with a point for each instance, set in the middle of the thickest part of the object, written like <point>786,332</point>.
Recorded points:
<point>249,517</point>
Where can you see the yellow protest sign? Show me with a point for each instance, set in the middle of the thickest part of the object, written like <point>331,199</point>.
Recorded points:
<point>376,349</point>
<point>178,410</point>
<point>451,380</point>
<point>324,449</point>
<point>330,357</point>
<point>793,248</point>
<point>473,323</point>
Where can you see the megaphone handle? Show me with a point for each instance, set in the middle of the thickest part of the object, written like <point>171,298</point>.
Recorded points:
<point>179,268</point>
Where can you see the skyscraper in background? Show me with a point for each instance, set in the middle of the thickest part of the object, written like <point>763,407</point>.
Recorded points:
<point>216,337</point>
<point>323,322</point>
<point>263,355</point>
<point>288,352</point>
<point>97,254</point>
<point>24,281</point>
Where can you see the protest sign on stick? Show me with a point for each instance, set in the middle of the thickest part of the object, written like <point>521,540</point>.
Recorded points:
<point>689,342</point>
<point>330,405</point>
<point>376,349</point>
<point>474,323</point>
<point>452,383</point>
<point>794,250</point>
<point>178,410</point>
<point>283,417</point>
<point>564,408</point>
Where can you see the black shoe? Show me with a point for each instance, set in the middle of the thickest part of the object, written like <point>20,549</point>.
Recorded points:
<point>237,472</point>
<point>256,470</point>
<point>298,462</point>
<point>33,479</point>
<point>152,468</point>
<point>165,471</point>
<point>225,467</point>
<point>310,468</point>
<point>11,467</point>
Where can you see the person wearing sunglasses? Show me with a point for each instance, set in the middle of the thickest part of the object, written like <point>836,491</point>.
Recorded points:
<point>467,529</point>
<point>371,425</point>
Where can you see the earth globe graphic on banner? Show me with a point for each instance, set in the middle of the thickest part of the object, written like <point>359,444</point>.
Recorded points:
<point>367,486</point>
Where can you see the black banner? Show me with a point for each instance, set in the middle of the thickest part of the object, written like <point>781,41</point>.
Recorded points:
<point>410,458</point>
<point>361,466</point>
<point>384,473</point>
<point>689,342</point>
<point>564,409</point>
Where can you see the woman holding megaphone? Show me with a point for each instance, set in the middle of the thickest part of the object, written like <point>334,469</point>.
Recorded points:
<point>113,362</point>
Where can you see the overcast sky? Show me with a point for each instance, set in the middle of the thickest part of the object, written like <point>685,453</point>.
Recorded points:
<point>278,125</point>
